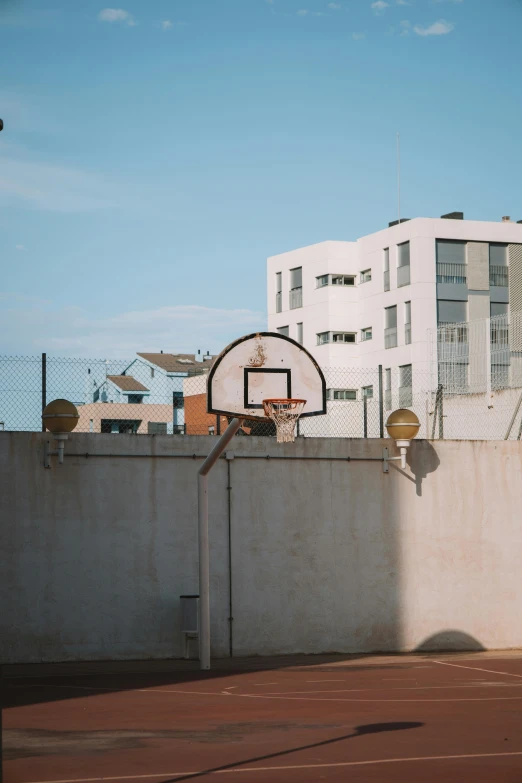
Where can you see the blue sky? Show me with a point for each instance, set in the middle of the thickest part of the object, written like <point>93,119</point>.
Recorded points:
<point>156,152</point>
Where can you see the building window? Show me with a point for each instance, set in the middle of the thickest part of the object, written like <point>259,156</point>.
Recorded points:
<point>136,398</point>
<point>296,288</point>
<point>499,324</point>
<point>405,386</point>
<point>498,268</point>
<point>388,389</point>
<point>323,280</point>
<point>178,400</point>
<point>336,337</point>
<point>91,425</point>
<point>451,311</point>
<point>300,333</point>
<point>367,392</point>
<point>120,426</point>
<point>343,337</point>
<point>386,263</point>
<point>152,372</point>
<point>407,323</point>
<point>341,394</point>
<point>366,334</point>
<point>366,276</point>
<point>390,327</point>
<point>498,308</point>
<point>403,264</point>
<point>285,330</point>
<point>451,262</point>
<point>157,428</point>
<point>211,430</point>
<point>279,292</point>
<point>178,429</point>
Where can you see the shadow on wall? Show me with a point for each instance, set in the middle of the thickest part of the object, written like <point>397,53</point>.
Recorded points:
<point>450,641</point>
<point>423,460</point>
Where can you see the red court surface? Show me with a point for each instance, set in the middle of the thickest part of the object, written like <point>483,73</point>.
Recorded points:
<point>428,718</point>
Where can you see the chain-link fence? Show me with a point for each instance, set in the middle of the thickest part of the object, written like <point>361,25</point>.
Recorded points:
<point>166,394</point>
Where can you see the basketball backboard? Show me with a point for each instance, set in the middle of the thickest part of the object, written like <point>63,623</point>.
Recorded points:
<point>263,366</point>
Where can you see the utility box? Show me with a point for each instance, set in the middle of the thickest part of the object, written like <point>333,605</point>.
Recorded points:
<point>189,611</point>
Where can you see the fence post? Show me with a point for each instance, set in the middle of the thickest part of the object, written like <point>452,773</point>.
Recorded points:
<point>381,405</point>
<point>44,385</point>
<point>441,411</point>
<point>365,416</point>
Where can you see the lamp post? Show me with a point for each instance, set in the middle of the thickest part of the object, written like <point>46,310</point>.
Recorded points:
<point>402,426</point>
<point>60,417</point>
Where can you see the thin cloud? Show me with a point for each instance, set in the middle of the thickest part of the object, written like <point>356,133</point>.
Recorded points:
<point>403,2</point>
<point>303,12</point>
<point>358,36</point>
<point>442,27</point>
<point>116,15</point>
<point>54,188</point>
<point>20,247</point>
<point>456,2</point>
<point>166,24</point>
<point>29,327</point>
<point>335,6</point>
<point>379,7</point>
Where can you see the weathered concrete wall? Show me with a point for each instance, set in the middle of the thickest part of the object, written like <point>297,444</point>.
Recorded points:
<point>327,555</point>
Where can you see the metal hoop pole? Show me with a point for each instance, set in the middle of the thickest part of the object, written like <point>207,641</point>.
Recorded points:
<point>204,557</point>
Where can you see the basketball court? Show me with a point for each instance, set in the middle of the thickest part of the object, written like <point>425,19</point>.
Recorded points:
<point>381,718</point>
<point>417,717</point>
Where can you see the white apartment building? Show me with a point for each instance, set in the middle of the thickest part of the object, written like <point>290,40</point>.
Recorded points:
<point>374,301</point>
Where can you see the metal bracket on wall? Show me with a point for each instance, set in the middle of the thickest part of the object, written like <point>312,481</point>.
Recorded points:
<point>385,460</point>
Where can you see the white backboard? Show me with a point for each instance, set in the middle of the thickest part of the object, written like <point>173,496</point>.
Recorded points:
<point>263,366</point>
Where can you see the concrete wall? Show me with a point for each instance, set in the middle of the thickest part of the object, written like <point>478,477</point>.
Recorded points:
<point>326,555</point>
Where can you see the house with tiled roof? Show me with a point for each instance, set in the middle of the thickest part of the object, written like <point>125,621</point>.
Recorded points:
<point>145,398</point>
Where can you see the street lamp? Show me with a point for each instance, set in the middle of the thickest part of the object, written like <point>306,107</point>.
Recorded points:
<point>402,426</point>
<point>60,417</point>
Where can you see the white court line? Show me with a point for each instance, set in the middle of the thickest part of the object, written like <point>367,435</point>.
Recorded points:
<point>326,680</point>
<point>388,688</point>
<point>373,701</point>
<point>476,669</point>
<point>290,767</point>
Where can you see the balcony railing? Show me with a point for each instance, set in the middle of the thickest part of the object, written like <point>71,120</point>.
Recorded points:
<point>390,337</point>
<point>405,396</point>
<point>453,333</point>
<point>296,298</point>
<point>407,334</point>
<point>279,302</point>
<point>403,275</point>
<point>498,275</point>
<point>387,281</point>
<point>451,273</point>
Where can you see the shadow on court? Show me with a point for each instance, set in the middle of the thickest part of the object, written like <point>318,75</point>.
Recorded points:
<point>369,728</point>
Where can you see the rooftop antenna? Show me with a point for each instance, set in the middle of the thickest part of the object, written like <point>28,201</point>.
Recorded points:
<point>399,176</point>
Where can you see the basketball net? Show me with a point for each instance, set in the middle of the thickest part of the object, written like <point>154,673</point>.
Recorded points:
<point>284,413</point>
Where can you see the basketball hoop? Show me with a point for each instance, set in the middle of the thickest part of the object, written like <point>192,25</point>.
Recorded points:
<point>284,413</point>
